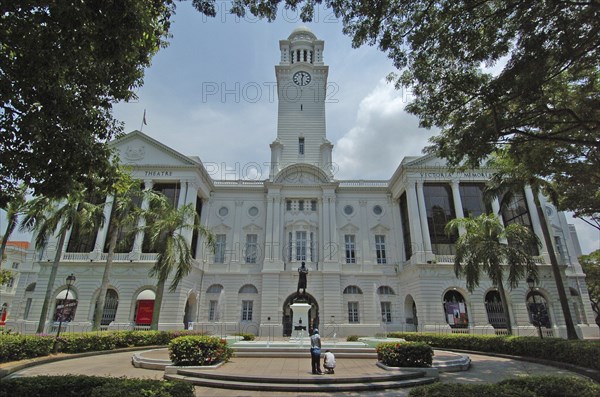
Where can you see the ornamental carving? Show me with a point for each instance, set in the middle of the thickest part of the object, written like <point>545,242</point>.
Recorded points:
<point>134,153</point>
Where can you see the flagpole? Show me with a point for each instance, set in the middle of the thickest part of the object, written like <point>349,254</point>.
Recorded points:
<point>143,121</point>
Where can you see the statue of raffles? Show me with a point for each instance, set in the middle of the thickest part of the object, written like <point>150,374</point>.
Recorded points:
<point>302,272</point>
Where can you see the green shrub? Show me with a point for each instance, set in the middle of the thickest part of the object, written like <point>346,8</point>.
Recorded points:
<point>405,354</point>
<point>464,390</point>
<point>352,338</point>
<point>577,352</point>
<point>246,336</point>
<point>199,350</point>
<point>14,347</point>
<point>555,386</point>
<point>535,386</point>
<point>84,386</point>
<point>20,347</point>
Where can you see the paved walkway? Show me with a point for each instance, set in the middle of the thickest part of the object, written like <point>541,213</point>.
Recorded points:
<point>484,369</point>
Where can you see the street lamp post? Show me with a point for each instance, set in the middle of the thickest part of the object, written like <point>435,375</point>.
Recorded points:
<point>70,281</point>
<point>537,314</point>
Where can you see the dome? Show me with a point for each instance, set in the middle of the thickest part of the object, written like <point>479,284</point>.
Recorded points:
<point>302,30</point>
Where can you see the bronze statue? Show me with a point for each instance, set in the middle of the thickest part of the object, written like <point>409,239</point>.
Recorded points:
<point>303,272</point>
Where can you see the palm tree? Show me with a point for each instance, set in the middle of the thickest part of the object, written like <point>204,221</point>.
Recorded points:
<point>165,226</point>
<point>14,209</point>
<point>126,197</point>
<point>512,178</point>
<point>483,248</point>
<point>49,217</point>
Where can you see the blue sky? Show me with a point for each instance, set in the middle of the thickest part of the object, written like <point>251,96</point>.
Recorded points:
<point>210,94</point>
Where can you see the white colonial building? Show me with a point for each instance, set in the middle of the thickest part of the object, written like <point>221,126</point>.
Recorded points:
<point>378,257</point>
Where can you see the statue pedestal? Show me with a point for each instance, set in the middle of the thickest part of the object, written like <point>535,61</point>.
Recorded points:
<point>300,320</point>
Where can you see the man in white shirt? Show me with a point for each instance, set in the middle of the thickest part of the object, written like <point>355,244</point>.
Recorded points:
<point>329,362</point>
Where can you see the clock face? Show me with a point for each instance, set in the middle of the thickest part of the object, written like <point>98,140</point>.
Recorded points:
<point>301,78</point>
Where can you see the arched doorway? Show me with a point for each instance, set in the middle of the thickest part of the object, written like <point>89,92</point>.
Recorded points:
<point>313,313</point>
<point>109,312</point>
<point>144,308</point>
<point>189,314</point>
<point>495,310</point>
<point>537,308</point>
<point>455,309</point>
<point>410,311</point>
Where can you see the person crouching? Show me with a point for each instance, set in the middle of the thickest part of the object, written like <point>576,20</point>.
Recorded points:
<point>329,362</point>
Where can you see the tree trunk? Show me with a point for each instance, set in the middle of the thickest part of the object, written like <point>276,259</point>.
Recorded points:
<point>502,293</point>
<point>562,295</point>
<point>160,290</point>
<point>51,279</point>
<point>9,228</point>
<point>99,310</point>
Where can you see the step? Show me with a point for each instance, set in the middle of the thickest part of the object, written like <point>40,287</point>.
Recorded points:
<point>316,379</point>
<point>303,385</point>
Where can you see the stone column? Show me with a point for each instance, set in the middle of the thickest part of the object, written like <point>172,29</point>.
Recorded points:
<point>277,228</point>
<point>103,231</point>
<point>496,211</point>
<point>414,220</point>
<point>458,208</point>
<point>236,247</point>
<point>366,256</point>
<point>535,220</point>
<point>139,237</point>
<point>423,218</point>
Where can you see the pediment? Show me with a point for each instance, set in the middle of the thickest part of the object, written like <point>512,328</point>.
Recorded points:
<point>380,229</point>
<point>349,228</point>
<point>137,148</point>
<point>252,228</point>
<point>221,229</point>
<point>427,161</point>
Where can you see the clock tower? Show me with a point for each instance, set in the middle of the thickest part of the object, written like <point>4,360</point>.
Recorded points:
<point>301,89</point>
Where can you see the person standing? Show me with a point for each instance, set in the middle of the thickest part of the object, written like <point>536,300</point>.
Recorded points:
<point>315,352</point>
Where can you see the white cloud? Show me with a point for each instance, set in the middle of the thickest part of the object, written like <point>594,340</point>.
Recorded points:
<point>383,134</point>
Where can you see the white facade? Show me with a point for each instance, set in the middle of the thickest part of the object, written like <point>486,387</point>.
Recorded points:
<point>377,260</point>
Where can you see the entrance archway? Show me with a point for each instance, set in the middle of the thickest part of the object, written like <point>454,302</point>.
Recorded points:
<point>313,313</point>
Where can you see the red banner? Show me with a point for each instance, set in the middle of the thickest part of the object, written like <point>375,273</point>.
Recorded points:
<point>144,312</point>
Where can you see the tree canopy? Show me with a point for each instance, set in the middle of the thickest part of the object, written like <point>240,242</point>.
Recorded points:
<point>522,75</point>
<point>62,66</point>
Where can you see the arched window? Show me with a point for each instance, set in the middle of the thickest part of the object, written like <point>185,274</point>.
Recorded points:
<point>111,302</point>
<point>385,290</point>
<point>65,306</point>
<point>214,289</point>
<point>455,309</point>
<point>352,289</point>
<point>495,310</point>
<point>537,308</point>
<point>248,289</point>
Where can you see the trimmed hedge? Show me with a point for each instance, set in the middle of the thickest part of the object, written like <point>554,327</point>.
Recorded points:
<point>534,386</point>
<point>199,350</point>
<point>20,347</point>
<point>94,386</point>
<point>405,354</point>
<point>583,353</point>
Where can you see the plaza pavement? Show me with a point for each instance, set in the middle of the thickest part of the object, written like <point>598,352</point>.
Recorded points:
<point>484,369</point>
